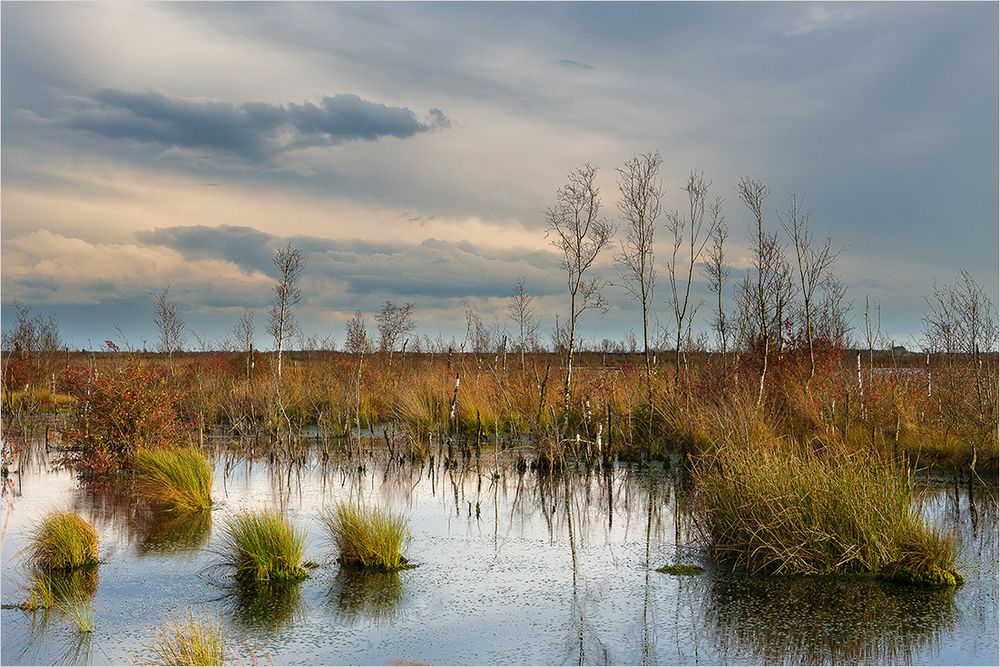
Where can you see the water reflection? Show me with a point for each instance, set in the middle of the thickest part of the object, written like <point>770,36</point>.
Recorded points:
<point>153,530</point>
<point>264,607</point>
<point>810,620</point>
<point>160,532</point>
<point>58,595</point>
<point>363,595</point>
<point>558,568</point>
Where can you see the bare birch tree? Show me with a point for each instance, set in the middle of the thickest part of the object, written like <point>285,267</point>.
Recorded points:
<point>580,234</point>
<point>170,324</point>
<point>718,274</point>
<point>763,245</point>
<point>290,263</point>
<point>521,311</point>
<point>639,204</point>
<point>814,261</point>
<point>243,333</point>
<point>395,323</point>
<point>356,339</point>
<point>687,230</point>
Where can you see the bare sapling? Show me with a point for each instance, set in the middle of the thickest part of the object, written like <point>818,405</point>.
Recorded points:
<point>814,262</point>
<point>290,264</point>
<point>691,233</point>
<point>581,233</point>
<point>639,204</point>
<point>521,311</point>
<point>169,323</point>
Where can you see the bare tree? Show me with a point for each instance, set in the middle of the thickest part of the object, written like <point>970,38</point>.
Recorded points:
<point>765,250</point>
<point>580,233</point>
<point>395,323</point>
<point>718,274</point>
<point>832,324</point>
<point>641,191</point>
<point>243,333</point>
<point>290,263</point>
<point>689,230</point>
<point>961,320</point>
<point>169,322</point>
<point>521,311</point>
<point>356,339</point>
<point>479,338</point>
<point>815,261</point>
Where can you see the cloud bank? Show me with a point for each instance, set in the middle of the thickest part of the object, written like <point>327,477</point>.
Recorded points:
<point>255,131</point>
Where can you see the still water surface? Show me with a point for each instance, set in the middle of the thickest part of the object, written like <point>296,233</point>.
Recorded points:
<point>517,568</point>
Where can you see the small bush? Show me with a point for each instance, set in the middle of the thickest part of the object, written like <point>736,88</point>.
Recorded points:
<point>123,410</point>
<point>177,478</point>
<point>189,641</point>
<point>61,541</point>
<point>263,546</point>
<point>367,536</point>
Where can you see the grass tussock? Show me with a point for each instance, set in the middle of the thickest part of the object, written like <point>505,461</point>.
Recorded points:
<point>263,546</point>
<point>781,509</point>
<point>367,537</point>
<point>63,540</point>
<point>180,479</point>
<point>189,641</point>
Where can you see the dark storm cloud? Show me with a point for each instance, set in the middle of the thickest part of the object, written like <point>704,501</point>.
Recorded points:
<point>433,268</point>
<point>253,130</point>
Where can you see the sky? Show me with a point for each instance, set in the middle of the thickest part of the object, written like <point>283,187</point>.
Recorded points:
<point>410,151</point>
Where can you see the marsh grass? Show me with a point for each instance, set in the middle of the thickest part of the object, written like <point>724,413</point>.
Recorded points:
<point>189,641</point>
<point>367,537</point>
<point>263,546</point>
<point>62,540</point>
<point>179,479</point>
<point>81,612</point>
<point>778,508</point>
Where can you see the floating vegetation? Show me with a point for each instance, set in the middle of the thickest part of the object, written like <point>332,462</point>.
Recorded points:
<point>263,546</point>
<point>63,540</point>
<point>364,594</point>
<point>367,537</point>
<point>777,509</point>
<point>179,479</point>
<point>189,641</point>
<point>678,569</point>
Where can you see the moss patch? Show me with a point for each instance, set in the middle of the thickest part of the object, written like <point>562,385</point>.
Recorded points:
<point>677,569</point>
<point>932,577</point>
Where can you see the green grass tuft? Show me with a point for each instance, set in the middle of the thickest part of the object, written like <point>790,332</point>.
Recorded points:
<point>775,508</point>
<point>189,641</point>
<point>80,612</point>
<point>180,479</point>
<point>263,546</point>
<point>367,536</point>
<point>63,540</point>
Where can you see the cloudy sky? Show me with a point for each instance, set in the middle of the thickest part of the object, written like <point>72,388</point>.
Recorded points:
<point>410,149</point>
